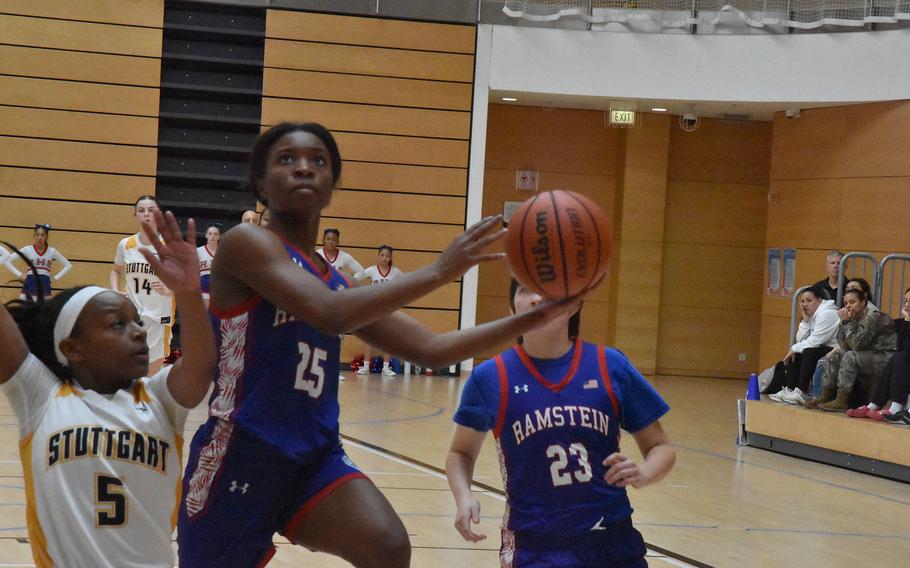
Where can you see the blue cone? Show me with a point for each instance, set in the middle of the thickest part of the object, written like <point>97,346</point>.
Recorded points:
<point>752,391</point>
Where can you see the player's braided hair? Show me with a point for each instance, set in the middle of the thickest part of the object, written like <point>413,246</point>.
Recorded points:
<point>260,153</point>
<point>36,316</point>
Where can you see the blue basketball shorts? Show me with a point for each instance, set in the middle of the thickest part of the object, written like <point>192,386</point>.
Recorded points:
<point>619,545</point>
<point>239,491</point>
<point>30,287</point>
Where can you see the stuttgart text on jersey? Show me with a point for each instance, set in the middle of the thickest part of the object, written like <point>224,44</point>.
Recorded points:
<point>558,417</point>
<point>96,441</point>
<point>139,268</point>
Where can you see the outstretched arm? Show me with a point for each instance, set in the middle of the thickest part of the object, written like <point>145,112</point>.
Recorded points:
<point>306,297</point>
<point>13,349</point>
<point>466,444</point>
<point>177,265</point>
<point>407,338</point>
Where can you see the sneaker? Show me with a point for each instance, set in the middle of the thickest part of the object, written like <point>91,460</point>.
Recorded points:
<point>340,377</point>
<point>878,415</point>
<point>860,412</point>
<point>793,397</point>
<point>388,372</point>
<point>365,370</point>
<point>902,417</point>
<point>779,395</point>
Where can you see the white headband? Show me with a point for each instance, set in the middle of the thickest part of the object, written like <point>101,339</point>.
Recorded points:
<point>66,321</point>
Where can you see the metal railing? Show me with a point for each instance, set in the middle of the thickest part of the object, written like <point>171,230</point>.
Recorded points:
<point>894,279</point>
<point>867,261</point>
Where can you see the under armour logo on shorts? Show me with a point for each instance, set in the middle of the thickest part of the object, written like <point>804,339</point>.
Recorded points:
<point>235,486</point>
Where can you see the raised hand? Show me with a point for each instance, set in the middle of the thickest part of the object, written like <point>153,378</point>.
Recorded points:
<point>467,249</point>
<point>176,262</point>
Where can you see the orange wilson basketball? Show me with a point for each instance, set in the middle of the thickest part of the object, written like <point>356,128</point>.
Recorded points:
<point>558,243</point>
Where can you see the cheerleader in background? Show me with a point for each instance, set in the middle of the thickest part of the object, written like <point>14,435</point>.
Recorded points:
<point>42,256</point>
<point>382,271</point>
<point>206,254</point>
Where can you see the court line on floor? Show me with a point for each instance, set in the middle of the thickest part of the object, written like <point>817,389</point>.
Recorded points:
<point>796,475</point>
<point>496,493</point>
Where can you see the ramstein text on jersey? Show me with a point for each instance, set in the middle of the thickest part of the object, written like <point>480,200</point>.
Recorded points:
<point>559,416</point>
<point>96,441</point>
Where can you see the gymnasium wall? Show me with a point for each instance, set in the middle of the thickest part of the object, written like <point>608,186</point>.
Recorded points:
<point>78,125</point>
<point>706,276</point>
<point>397,96</point>
<point>841,179</point>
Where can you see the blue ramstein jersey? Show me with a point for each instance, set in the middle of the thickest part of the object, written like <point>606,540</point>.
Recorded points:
<point>552,437</point>
<point>277,377</point>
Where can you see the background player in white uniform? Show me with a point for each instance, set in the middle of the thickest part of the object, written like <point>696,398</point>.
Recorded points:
<point>382,271</point>
<point>152,298</point>
<point>42,257</point>
<point>100,445</point>
<point>338,258</point>
<point>206,255</point>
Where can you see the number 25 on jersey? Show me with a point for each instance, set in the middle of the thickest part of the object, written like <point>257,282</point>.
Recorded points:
<point>311,370</point>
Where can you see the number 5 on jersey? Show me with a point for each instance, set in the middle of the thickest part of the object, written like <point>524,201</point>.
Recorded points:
<point>312,381</point>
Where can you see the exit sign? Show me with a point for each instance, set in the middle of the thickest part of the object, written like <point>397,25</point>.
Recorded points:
<point>622,117</point>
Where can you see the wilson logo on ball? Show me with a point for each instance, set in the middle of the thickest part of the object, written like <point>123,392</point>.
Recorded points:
<point>543,266</point>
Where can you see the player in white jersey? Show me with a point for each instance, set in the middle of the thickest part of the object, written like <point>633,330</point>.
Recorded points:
<point>42,256</point>
<point>152,298</point>
<point>338,258</point>
<point>382,271</point>
<point>100,442</point>
<point>206,255</point>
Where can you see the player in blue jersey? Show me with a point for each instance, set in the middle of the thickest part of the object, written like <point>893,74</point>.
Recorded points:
<point>556,405</point>
<point>269,459</point>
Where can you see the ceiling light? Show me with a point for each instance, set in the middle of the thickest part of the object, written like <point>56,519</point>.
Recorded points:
<point>658,109</point>
<point>510,99</point>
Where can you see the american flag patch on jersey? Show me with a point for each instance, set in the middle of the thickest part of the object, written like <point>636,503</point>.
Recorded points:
<point>590,384</point>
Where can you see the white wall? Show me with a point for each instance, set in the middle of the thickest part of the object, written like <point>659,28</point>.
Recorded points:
<point>841,67</point>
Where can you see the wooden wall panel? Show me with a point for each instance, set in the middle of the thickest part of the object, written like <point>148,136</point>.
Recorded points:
<point>78,156</point>
<point>377,205</point>
<point>353,30</point>
<point>397,96</point>
<point>708,341</point>
<point>90,97</point>
<point>402,150</point>
<point>74,245</point>
<point>390,91</point>
<point>80,36</point>
<point>705,276</point>
<point>401,178</point>
<point>721,151</point>
<point>73,125</point>
<point>55,184</point>
<point>79,66</point>
<point>875,198</point>
<point>371,118</point>
<point>716,213</point>
<point>532,138</point>
<point>360,60</point>
<point>146,13</point>
<point>805,214</point>
<point>70,215</point>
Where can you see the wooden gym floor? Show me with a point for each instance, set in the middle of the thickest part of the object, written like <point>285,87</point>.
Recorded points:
<point>722,505</point>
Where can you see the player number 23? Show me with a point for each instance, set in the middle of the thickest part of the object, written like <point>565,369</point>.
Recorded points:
<point>560,464</point>
<point>312,381</point>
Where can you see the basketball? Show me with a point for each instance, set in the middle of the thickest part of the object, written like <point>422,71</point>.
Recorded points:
<point>558,243</point>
